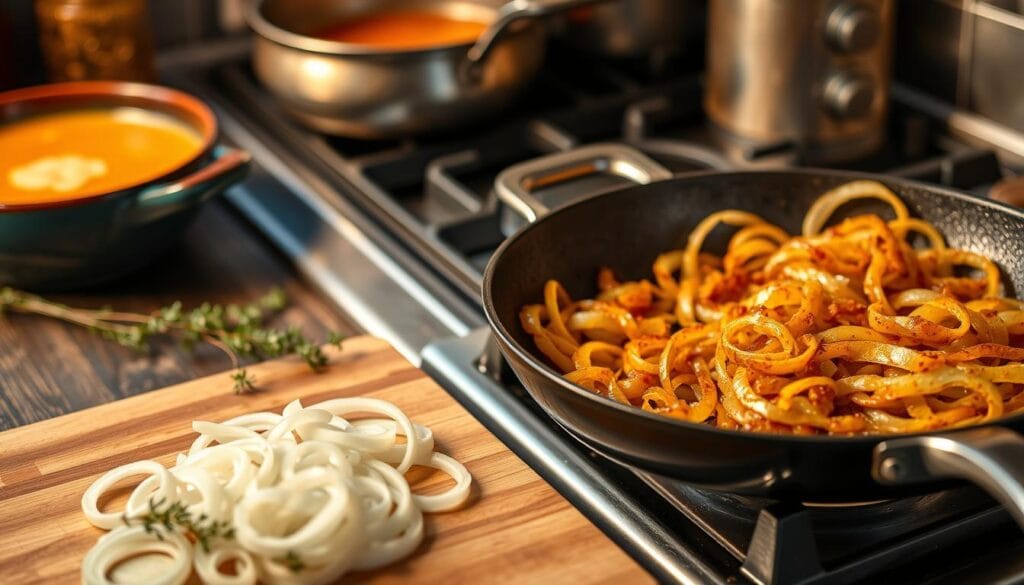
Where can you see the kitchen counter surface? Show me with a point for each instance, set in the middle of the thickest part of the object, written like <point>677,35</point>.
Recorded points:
<point>514,528</point>
<point>48,368</point>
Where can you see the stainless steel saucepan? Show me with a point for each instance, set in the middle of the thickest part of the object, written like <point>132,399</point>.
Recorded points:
<point>369,92</point>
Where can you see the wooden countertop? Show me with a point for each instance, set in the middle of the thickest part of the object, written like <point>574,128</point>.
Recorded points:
<point>48,368</point>
<point>514,529</point>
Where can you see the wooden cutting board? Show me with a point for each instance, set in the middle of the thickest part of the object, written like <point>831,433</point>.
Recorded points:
<point>516,528</point>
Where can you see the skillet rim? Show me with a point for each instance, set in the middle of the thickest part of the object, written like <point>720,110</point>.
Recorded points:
<point>497,328</point>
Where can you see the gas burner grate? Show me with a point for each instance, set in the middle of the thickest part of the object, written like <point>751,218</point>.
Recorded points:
<point>782,542</point>
<point>435,193</point>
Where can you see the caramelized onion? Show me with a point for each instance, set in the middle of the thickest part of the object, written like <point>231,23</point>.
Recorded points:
<point>845,329</point>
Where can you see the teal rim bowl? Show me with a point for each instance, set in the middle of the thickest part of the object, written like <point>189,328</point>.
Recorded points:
<point>79,242</point>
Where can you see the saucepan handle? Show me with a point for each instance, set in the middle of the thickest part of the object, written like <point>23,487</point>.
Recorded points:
<point>515,185</point>
<point>991,457</point>
<point>510,13</point>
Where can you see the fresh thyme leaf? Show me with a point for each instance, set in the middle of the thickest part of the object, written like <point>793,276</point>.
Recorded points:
<point>243,381</point>
<point>8,298</point>
<point>292,561</point>
<point>313,355</point>
<point>275,300</point>
<point>160,519</point>
<point>237,330</point>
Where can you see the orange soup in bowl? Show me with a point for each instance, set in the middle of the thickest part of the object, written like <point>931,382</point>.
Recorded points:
<point>82,153</point>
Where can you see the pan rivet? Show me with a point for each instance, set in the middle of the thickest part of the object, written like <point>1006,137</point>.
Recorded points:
<point>891,469</point>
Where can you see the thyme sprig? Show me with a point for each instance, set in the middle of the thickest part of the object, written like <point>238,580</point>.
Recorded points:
<point>160,519</point>
<point>293,561</point>
<point>237,330</point>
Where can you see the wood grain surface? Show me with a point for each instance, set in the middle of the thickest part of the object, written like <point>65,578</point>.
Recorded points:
<point>48,368</point>
<point>515,529</point>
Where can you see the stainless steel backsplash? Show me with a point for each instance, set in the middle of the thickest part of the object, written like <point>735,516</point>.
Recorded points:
<point>967,52</point>
<point>994,78</point>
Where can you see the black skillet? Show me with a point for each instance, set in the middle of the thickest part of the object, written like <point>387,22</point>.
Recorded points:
<point>627,228</point>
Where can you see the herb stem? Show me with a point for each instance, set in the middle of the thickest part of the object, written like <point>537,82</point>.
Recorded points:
<point>38,306</point>
<point>235,330</point>
<point>214,341</point>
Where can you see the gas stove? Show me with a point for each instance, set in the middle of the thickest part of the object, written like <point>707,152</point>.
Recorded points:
<point>398,234</point>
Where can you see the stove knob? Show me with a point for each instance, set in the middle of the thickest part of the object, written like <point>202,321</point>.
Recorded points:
<point>852,28</point>
<point>849,95</point>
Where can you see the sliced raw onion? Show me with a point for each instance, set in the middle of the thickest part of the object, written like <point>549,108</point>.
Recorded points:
<point>308,495</point>
<point>126,543</point>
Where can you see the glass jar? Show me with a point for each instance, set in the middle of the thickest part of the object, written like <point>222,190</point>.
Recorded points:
<point>96,39</point>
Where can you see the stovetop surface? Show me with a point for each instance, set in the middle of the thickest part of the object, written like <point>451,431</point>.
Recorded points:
<point>436,193</point>
<point>433,198</point>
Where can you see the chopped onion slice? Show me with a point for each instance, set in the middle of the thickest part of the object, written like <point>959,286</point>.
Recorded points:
<point>128,542</point>
<point>208,565</point>
<point>453,497</point>
<point>166,489</point>
<point>308,495</point>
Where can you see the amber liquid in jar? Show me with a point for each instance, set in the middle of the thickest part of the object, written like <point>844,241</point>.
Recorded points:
<point>96,39</point>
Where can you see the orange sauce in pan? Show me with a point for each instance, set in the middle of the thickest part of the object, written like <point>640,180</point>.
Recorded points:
<point>403,29</point>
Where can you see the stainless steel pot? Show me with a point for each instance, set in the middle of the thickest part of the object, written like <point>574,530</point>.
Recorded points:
<point>656,29</point>
<point>814,74</point>
<point>366,92</point>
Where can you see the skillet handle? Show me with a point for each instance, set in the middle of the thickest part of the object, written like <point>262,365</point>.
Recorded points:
<point>510,13</point>
<point>515,184</point>
<point>991,457</point>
